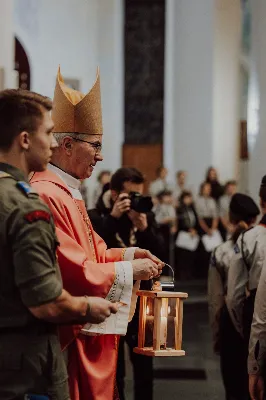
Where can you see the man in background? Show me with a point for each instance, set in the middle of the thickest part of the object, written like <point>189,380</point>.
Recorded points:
<point>124,219</point>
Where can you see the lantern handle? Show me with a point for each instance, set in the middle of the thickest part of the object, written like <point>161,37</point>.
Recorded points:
<point>172,269</point>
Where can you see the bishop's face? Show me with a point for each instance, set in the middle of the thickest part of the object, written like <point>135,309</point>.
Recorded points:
<point>85,153</point>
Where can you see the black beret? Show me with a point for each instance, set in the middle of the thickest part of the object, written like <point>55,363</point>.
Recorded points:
<point>244,206</point>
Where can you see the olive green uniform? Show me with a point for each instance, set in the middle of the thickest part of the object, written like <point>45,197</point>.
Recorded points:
<point>31,361</point>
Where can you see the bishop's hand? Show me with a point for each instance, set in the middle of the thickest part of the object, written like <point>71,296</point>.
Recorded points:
<point>142,253</point>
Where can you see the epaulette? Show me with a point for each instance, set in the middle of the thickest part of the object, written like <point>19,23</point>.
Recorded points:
<point>4,175</point>
<point>25,188</point>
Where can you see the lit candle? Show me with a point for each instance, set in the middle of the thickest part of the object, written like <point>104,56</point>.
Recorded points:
<point>163,332</point>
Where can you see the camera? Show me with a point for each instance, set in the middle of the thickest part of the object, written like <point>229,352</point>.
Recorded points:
<point>139,203</point>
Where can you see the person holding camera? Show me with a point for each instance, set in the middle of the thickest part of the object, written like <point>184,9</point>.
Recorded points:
<point>123,218</point>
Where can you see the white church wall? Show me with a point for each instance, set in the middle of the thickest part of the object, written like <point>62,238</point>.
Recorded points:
<point>201,87</point>
<point>226,87</point>
<point>188,90</point>
<point>6,45</point>
<point>257,98</point>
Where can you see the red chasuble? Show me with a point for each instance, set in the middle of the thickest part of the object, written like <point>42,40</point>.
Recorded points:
<point>87,268</point>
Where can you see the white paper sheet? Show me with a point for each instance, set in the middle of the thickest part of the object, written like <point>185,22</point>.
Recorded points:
<point>185,241</point>
<point>210,242</point>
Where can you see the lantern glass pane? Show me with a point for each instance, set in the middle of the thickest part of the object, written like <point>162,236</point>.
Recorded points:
<point>149,322</point>
<point>171,321</point>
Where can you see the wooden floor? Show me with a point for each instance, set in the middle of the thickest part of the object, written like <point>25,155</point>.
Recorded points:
<point>197,375</point>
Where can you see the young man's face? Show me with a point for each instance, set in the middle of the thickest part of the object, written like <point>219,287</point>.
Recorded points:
<point>41,144</point>
<point>133,187</point>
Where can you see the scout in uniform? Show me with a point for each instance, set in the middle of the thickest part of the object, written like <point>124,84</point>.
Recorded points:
<point>245,270</point>
<point>257,342</point>
<point>227,341</point>
<point>32,299</point>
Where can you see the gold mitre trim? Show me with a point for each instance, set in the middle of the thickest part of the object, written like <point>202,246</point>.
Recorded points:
<point>75,112</point>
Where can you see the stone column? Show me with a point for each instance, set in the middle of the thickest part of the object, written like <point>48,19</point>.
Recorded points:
<point>111,60</point>
<point>257,98</point>
<point>7,74</point>
<point>201,87</point>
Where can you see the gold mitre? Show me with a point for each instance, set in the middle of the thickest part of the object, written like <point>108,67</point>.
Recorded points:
<point>74,112</point>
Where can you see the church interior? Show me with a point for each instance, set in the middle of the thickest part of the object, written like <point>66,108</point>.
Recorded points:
<point>183,91</point>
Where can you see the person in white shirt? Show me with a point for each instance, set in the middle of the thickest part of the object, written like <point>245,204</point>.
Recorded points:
<point>224,202</point>
<point>181,186</point>
<point>207,212</point>
<point>165,216</point>
<point>160,184</point>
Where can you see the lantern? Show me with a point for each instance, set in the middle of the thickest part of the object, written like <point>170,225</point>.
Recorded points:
<point>160,323</point>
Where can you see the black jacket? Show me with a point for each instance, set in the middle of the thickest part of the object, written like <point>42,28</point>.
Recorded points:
<point>117,232</point>
<point>184,221</point>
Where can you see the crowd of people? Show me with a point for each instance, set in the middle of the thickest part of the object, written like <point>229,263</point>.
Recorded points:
<point>191,224</point>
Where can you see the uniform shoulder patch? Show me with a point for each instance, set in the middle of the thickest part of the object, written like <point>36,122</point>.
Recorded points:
<point>38,215</point>
<point>25,187</point>
<point>236,249</point>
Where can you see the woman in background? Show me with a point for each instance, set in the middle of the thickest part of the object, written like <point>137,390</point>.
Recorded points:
<point>187,221</point>
<point>103,178</point>
<point>217,189</point>
<point>207,211</point>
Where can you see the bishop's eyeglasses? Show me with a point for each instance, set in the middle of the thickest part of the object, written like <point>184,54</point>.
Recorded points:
<point>96,145</point>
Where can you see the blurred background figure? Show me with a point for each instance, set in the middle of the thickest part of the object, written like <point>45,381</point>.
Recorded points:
<point>161,183</point>
<point>165,216</point>
<point>180,186</point>
<point>91,194</point>
<point>217,189</point>
<point>207,211</point>
<point>224,202</point>
<point>102,179</point>
<point>187,221</point>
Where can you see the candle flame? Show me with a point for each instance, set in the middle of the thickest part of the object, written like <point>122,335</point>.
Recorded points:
<point>148,310</point>
<point>169,310</point>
